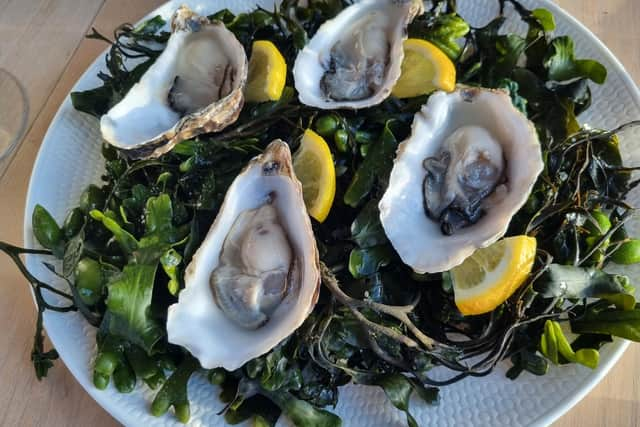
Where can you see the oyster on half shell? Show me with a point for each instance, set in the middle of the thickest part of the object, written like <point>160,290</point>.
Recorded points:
<point>195,86</point>
<point>255,278</point>
<point>468,166</point>
<point>354,60</point>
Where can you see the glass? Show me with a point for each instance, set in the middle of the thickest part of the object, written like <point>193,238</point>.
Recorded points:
<point>14,110</point>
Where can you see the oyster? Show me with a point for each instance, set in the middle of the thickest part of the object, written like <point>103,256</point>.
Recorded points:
<point>255,278</point>
<point>354,60</point>
<point>256,267</point>
<point>469,165</point>
<point>195,86</point>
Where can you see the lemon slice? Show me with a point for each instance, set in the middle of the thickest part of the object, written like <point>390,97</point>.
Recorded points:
<point>491,275</point>
<point>425,68</point>
<point>267,73</point>
<point>314,168</point>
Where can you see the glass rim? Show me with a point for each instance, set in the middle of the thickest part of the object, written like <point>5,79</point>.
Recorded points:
<point>8,151</point>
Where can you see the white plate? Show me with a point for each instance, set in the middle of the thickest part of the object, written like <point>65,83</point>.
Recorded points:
<point>69,159</point>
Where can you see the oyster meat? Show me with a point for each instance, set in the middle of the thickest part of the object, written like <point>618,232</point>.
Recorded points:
<point>465,171</point>
<point>354,60</point>
<point>468,166</point>
<point>256,267</point>
<point>195,86</point>
<point>255,278</point>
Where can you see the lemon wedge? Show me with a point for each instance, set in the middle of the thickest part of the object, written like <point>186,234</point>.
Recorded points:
<point>491,275</point>
<point>314,168</point>
<point>267,73</point>
<point>425,68</point>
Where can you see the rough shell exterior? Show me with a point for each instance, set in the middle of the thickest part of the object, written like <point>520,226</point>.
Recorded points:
<point>418,239</point>
<point>212,118</point>
<point>196,322</point>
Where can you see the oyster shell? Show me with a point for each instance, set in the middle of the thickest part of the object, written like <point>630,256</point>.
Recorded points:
<point>354,59</point>
<point>469,165</point>
<point>255,278</point>
<point>195,86</point>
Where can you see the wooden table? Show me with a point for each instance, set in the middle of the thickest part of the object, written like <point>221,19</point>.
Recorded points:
<point>42,42</point>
